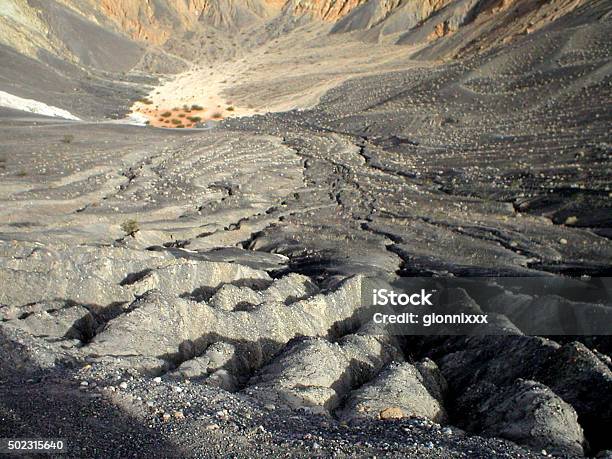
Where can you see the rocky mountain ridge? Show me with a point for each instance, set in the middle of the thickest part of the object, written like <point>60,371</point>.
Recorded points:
<point>30,25</point>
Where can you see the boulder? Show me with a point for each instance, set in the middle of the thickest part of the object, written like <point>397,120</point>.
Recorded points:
<point>412,390</point>
<point>526,412</point>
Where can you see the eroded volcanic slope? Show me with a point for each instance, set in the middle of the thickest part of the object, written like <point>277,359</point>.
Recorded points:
<point>194,292</point>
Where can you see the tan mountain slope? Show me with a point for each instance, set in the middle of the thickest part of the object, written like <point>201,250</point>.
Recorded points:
<point>328,10</point>
<point>155,21</point>
<point>234,57</point>
<point>68,28</point>
<point>472,26</point>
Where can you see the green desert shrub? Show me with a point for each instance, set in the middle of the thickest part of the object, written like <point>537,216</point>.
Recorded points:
<point>130,227</point>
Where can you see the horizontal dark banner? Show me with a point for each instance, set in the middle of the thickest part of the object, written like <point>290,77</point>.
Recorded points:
<point>489,306</point>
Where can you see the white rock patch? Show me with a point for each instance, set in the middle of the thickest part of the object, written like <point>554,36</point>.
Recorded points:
<point>33,106</point>
<point>137,118</point>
